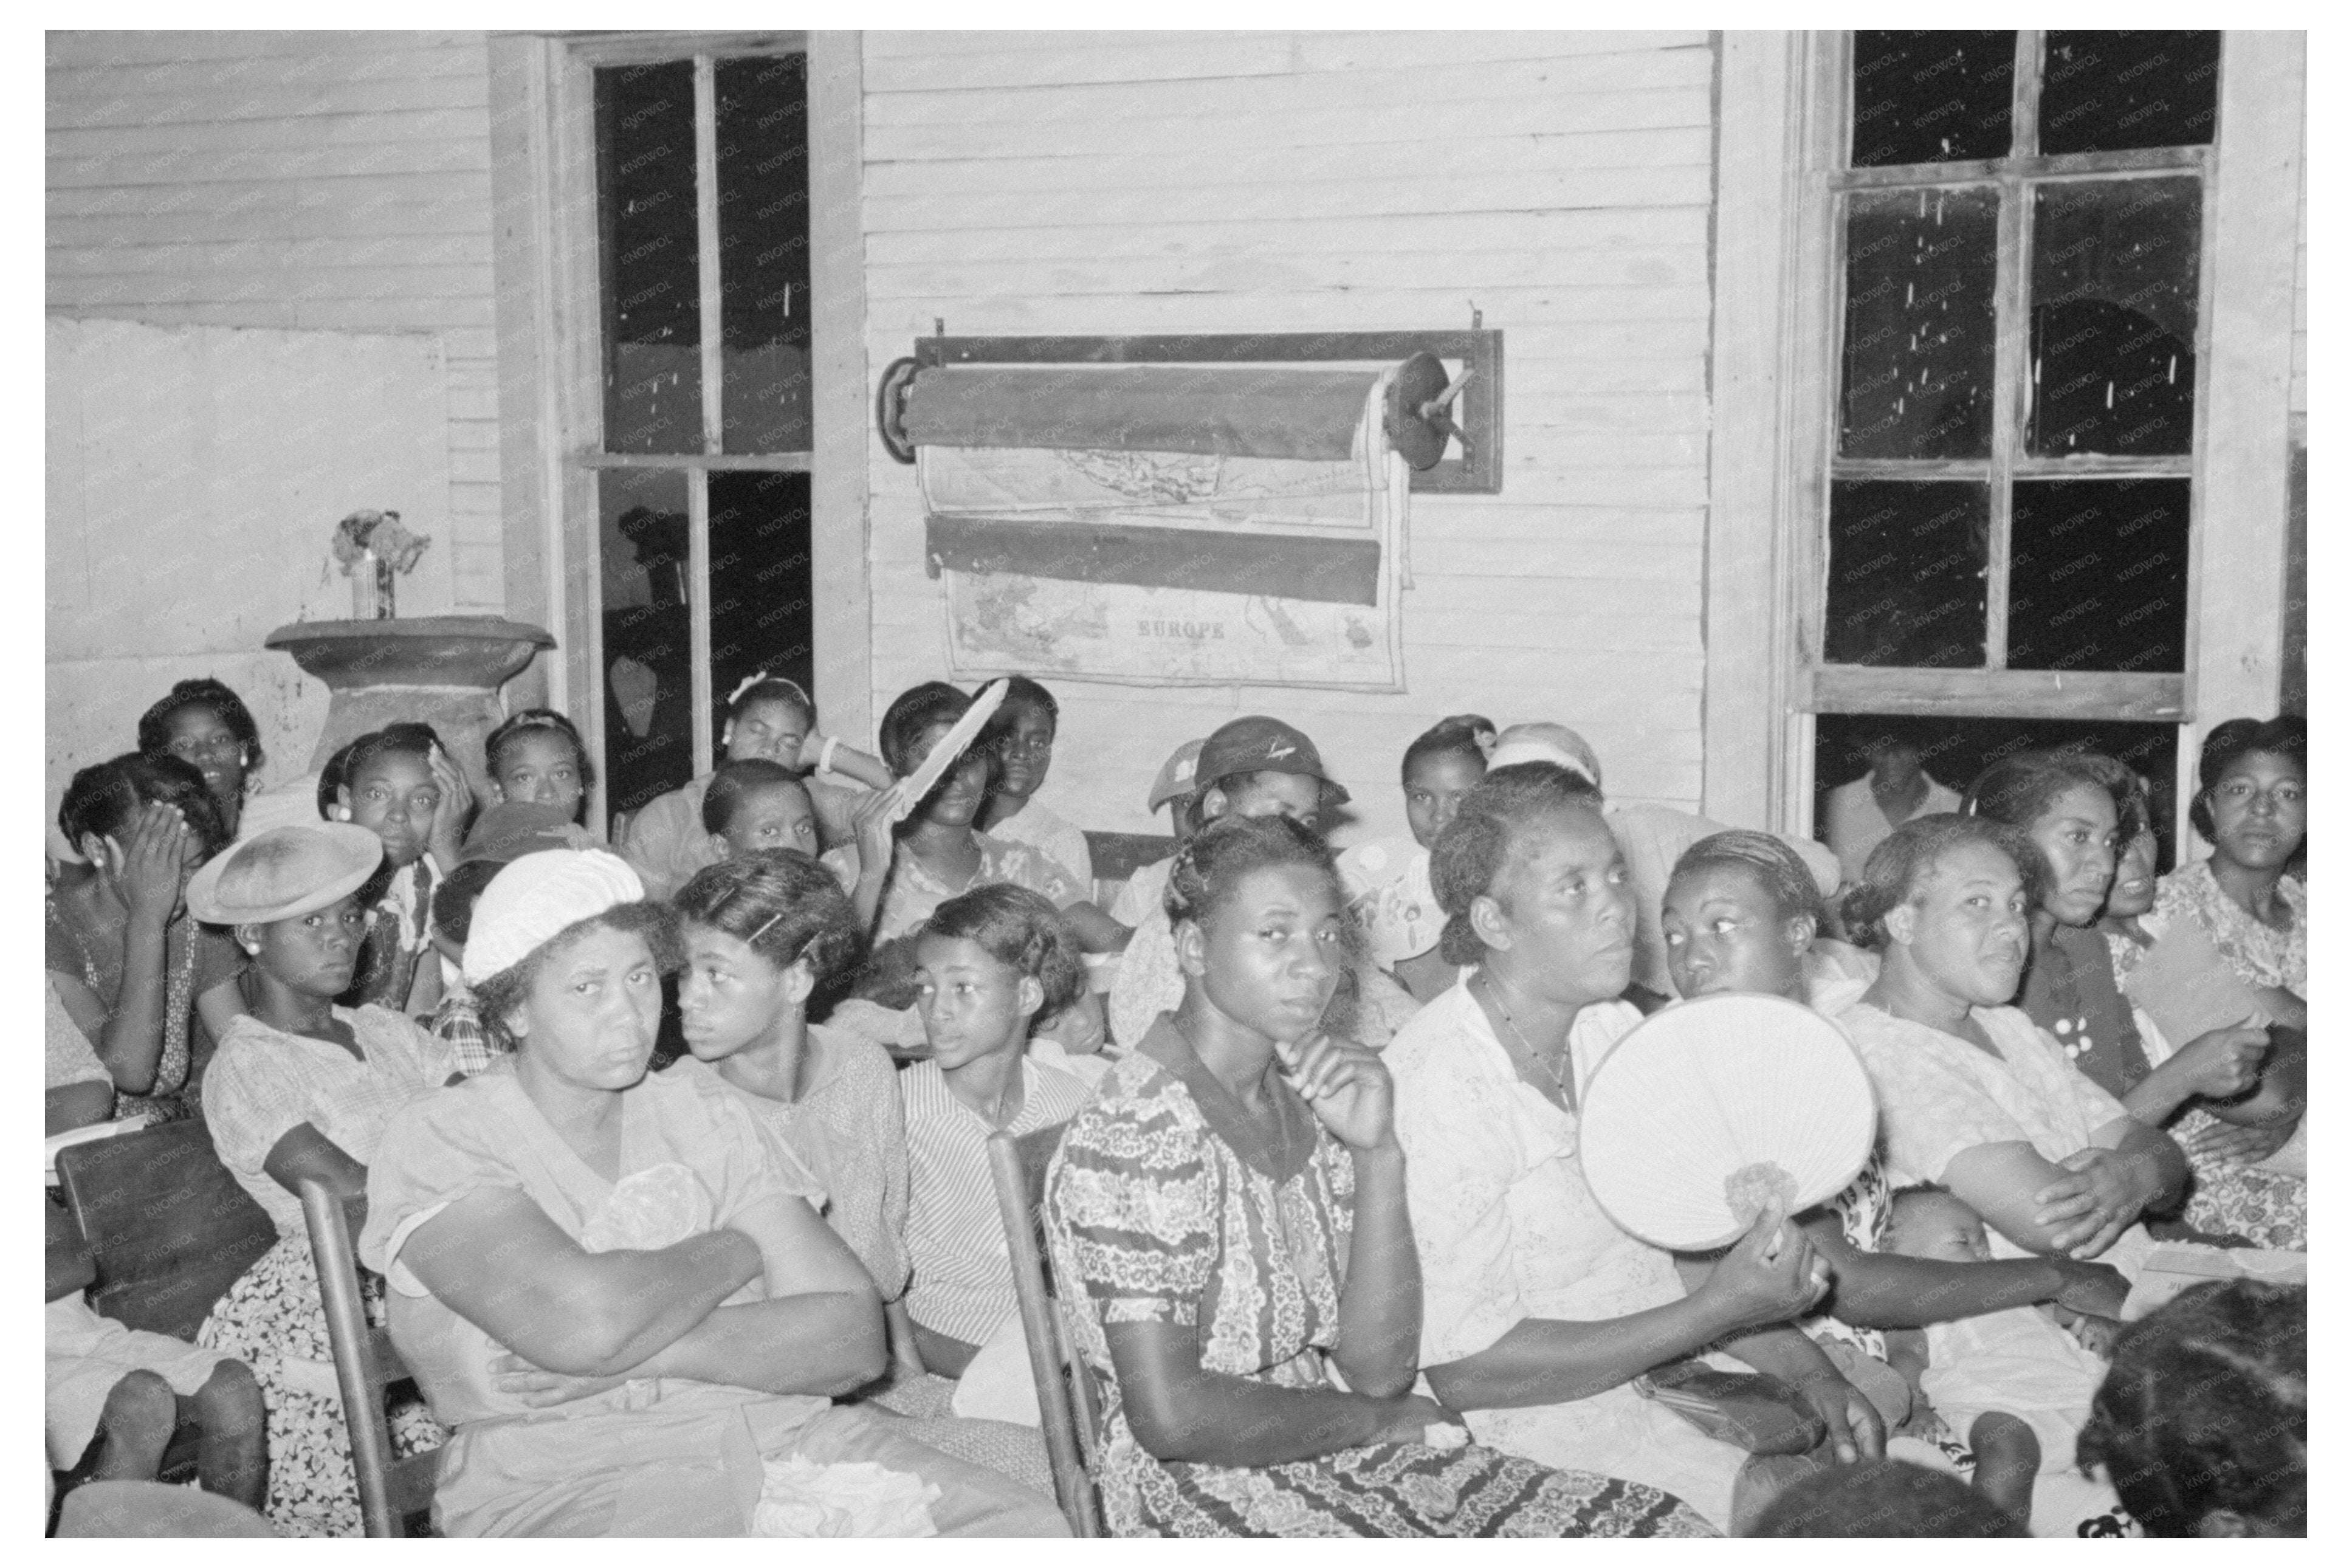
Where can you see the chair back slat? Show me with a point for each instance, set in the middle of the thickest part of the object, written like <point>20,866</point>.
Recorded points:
<point>169,1229</point>
<point>1017,1166</point>
<point>365,1365</point>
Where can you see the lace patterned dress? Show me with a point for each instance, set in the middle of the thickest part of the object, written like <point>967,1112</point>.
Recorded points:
<point>1163,1205</point>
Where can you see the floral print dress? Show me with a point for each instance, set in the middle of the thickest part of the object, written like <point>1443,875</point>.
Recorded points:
<point>1166,1204</point>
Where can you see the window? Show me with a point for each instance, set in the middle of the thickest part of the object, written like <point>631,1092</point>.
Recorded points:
<point>702,454</point>
<point>2019,221</point>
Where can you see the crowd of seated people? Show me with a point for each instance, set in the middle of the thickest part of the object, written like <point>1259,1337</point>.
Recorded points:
<point>1317,1222</point>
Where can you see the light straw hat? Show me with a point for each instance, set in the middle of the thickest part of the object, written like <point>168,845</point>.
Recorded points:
<point>282,873</point>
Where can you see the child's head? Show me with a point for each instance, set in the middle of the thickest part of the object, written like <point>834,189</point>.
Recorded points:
<point>537,756</point>
<point>1739,913</point>
<point>1441,766</point>
<point>768,716</point>
<point>756,803</point>
<point>387,786</point>
<point>1882,1499</point>
<point>203,722</point>
<point>987,965</point>
<point>1023,735</point>
<point>2201,1421</point>
<point>1929,1222</point>
<point>1256,766</point>
<point>762,932</point>
<point>104,802</point>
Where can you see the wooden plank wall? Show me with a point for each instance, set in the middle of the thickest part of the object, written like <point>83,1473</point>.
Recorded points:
<point>1561,181</point>
<point>329,180</point>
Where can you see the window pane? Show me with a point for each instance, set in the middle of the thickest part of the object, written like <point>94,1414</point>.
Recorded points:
<point>2114,316</point>
<point>1931,98</point>
<point>759,587</point>
<point>763,267</point>
<point>1952,751</point>
<point>652,288</point>
<point>2108,92</point>
<point>1918,322</point>
<point>1906,575</point>
<point>2098,574</point>
<point>648,690</point>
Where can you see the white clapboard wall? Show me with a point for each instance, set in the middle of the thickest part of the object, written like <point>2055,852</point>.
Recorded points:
<point>1026,183</point>
<point>325,180</point>
<point>194,476</point>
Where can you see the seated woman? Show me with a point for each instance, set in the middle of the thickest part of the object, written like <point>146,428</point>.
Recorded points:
<point>614,1288</point>
<point>1388,894</point>
<point>1539,1312</point>
<point>2250,806</point>
<point>771,719</point>
<point>147,986</point>
<point>537,756</point>
<point>1228,1224</point>
<point>302,1088</point>
<point>912,856</point>
<point>1023,733</point>
<point>401,784</point>
<point>2078,808</point>
<point>207,726</point>
<point>1971,1096</point>
<point>2204,1418</point>
<point>988,964</point>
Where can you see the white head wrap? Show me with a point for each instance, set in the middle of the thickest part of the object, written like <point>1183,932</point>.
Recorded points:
<point>536,897</point>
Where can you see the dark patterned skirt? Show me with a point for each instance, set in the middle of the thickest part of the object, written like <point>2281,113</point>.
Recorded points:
<point>1390,1490</point>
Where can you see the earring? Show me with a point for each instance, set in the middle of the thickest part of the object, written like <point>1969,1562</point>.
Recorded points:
<point>343,813</point>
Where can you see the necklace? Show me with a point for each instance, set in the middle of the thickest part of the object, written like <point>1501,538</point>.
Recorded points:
<point>1568,1096</point>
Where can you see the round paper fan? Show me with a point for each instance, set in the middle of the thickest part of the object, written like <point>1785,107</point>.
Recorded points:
<point>1708,1106</point>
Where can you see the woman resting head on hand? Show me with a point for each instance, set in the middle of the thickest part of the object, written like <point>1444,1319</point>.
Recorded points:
<point>1972,1096</point>
<point>1228,1219</point>
<point>634,1250</point>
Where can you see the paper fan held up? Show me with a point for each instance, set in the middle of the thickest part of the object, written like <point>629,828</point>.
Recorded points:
<point>1711,1108</point>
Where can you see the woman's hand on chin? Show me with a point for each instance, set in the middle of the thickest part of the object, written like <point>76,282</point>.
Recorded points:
<point>1346,1087</point>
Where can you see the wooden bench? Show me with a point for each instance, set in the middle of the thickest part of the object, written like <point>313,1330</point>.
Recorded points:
<point>167,1227</point>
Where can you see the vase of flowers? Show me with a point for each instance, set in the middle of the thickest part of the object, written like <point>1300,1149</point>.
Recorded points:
<point>375,551</point>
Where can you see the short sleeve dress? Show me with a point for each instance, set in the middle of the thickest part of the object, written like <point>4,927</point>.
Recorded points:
<point>1939,1096</point>
<point>1166,1203</point>
<point>196,959</point>
<point>264,1083</point>
<point>654,1457</point>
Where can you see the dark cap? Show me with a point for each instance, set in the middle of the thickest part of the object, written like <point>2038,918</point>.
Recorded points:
<point>1259,744</point>
<point>519,827</point>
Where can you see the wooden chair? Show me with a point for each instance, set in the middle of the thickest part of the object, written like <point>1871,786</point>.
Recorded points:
<point>168,1228</point>
<point>1065,1392</point>
<point>1119,856</point>
<point>392,1491</point>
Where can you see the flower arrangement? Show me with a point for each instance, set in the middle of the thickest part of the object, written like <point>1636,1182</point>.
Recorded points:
<point>372,548</point>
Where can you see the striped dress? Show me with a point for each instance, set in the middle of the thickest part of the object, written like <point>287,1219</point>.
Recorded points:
<point>1156,1214</point>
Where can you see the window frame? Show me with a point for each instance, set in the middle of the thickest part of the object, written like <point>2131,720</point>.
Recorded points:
<point>1781,132</point>
<point>550,318</point>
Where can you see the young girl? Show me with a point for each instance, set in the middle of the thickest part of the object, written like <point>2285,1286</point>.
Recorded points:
<point>150,988</point>
<point>988,964</point>
<point>302,1088</point>
<point>1388,885</point>
<point>1023,733</point>
<point>206,725</point>
<point>771,719</point>
<point>400,785</point>
<point>758,804</point>
<point>538,756</point>
<point>910,857</point>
